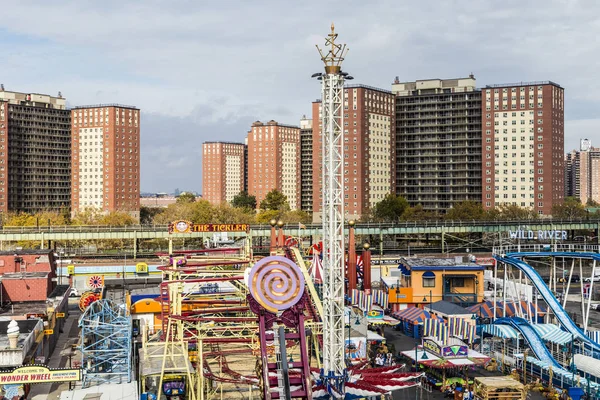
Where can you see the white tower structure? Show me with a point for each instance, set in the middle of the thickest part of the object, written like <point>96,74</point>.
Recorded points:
<point>333,208</point>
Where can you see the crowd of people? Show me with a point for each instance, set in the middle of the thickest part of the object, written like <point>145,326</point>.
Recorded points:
<point>384,360</point>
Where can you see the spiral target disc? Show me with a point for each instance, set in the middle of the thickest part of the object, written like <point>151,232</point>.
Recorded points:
<point>276,283</point>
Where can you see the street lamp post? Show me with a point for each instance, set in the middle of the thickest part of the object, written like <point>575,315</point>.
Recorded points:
<point>430,299</point>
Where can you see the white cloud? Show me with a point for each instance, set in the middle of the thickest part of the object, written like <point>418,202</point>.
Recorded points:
<point>211,68</point>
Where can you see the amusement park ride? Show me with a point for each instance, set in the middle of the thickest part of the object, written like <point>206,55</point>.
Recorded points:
<point>248,324</point>
<point>234,325</point>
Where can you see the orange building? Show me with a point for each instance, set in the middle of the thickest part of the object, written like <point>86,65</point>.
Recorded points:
<point>274,161</point>
<point>369,149</point>
<point>428,280</point>
<point>105,158</point>
<point>223,169</point>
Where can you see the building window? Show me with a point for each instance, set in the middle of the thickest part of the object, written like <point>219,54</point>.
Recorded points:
<point>428,279</point>
<point>458,282</point>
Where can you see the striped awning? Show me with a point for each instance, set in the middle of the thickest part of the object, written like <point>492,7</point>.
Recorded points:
<point>545,329</point>
<point>501,331</point>
<point>414,315</point>
<point>594,335</point>
<point>552,333</point>
<point>486,309</point>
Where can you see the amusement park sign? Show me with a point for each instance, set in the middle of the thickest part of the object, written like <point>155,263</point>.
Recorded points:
<point>540,235</point>
<point>39,374</point>
<point>188,227</point>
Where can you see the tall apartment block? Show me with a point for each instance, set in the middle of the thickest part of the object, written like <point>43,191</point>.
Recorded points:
<point>582,173</point>
<point>369,126</point>
<point>523,146</point>
<point>35,152</point>
<point>306,156</point>
<point>274,161</point>
<point>223,171</point>
<point>106,158</point>
<point>438,142</point>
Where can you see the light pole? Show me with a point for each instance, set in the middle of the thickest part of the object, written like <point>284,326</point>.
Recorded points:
<point>430,299</point>
<point>60,253</point>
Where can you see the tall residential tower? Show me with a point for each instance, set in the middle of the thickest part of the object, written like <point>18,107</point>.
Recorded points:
<point>306,155</point>
<point>523,146</point>
<point>35,152</point>
<point>223,171</point>
<point>274,161</point>
<point>106,158</point>
<point>582,173</point>
<point>438,142</point>
<point>369,151</point>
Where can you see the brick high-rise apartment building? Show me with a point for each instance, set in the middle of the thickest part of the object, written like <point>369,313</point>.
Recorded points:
<point>582,173</point>
<point>106,158</point>
<point>369,150</point>
<point>306,154</point>
<point>523,145</point>
<point>223,171</point>
<point>35,152</point>
<point>274,161</point>
<point>438,142</point>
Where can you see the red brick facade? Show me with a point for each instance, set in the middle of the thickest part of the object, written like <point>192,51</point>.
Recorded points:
<point>3,157</point>
<point>274,161</point>
<point>113,133</point>
<point>27,276</point>
<point>523,145</point>
<point>369,149</point>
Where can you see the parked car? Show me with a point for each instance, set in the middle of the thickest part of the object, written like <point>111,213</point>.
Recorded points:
<point>74,292</point>
<point>596,279</point>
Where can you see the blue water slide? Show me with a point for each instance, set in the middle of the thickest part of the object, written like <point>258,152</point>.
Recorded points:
<point>533,339</point>
<point>547,294</point>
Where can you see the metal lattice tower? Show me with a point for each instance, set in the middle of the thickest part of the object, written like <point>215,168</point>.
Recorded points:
<point>333,207</point>
<point>105,344</point>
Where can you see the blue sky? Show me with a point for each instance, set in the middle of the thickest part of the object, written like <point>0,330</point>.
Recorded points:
<point>206,70</point>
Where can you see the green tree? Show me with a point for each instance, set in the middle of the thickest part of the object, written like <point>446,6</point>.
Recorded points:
<point>186,197</point>
<point>147,214</point>
<point>224,213</point>
<point>465,211</point>
<point>512,212</point>
<point>116,218</point>
<point>244,200</point>
<point>275,200</point>
<point>592,203</point>
<point>571,208</point>
<point>390,209</point>
<point>296,216</point>
<point>418,213</point>
<point>43,218</point>
<point>264,216</point>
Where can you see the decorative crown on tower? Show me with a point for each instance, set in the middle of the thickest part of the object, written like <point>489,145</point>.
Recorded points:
<point>335,54</point>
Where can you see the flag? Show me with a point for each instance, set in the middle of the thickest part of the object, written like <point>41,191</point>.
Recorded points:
<point>301,226</point>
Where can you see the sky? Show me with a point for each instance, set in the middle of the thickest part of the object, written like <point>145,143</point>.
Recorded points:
<point>205,70</point>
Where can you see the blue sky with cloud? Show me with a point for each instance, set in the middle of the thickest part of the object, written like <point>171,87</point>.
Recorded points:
<point>206,70</point>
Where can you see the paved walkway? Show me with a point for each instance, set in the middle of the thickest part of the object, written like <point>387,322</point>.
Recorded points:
<point>59,359</point>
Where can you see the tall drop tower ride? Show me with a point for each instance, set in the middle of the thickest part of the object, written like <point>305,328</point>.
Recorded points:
<point>333,207</point>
